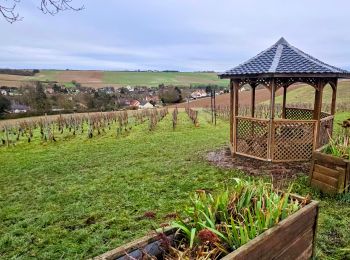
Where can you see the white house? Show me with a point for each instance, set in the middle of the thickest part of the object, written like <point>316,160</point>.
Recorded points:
<point>3,92</point>
<point>199,93</point>
<point>131,89</point>
<point>145,105</point>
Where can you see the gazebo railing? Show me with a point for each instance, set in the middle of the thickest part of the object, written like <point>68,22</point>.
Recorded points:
<point>252,137</point>
<point>326,130</point>
<point>293,140</point>
<point>296,113</point>
<point>282,140</point>
<point>289,140</point>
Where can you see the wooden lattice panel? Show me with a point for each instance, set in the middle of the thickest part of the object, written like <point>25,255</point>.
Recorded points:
<point>299,113</point>
<point>252,137</point>
<point>326,130</point>
<point>293,140</point>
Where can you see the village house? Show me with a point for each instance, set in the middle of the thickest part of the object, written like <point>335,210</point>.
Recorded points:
<point>134,103</point>
<point>153,99</point>
<point>145,105</point>
<point>3,92</point>
<point>129,88</point>
<point>199,93</point>
<point>18,108</point>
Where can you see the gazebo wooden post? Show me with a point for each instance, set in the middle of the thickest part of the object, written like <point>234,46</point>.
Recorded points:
<point>253,86</point>
<point>284,102</point>
<point>235,114</point>
<point>231,113</point>
<point>317,112</point>
<point>334,97</point>
<point>271,138</point>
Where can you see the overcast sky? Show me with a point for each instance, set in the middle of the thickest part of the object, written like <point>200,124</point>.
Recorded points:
<point>186,35</point>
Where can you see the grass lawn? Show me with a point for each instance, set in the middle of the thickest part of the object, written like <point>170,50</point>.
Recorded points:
<point>168,78</point>
<point>81,197</point>
<point>306,94</point>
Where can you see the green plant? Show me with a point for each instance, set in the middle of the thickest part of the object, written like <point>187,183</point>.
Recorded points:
<point>233,217</point>
<point>340,146</point>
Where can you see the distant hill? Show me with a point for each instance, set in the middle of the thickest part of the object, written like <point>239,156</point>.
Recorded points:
<point>97,79</point>
<point>19,72</point>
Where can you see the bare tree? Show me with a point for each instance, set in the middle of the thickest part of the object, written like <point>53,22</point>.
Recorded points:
<point>9,12</point>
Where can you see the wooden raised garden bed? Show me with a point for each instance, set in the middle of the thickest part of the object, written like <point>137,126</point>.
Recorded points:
<point>292,238</point>
<point>330,174</point>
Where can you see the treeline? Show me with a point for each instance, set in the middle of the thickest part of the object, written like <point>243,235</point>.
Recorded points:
<point>19,72</point>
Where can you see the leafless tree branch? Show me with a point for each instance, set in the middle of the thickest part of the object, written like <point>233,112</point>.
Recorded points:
<point>9,13</point>
<point>52,7</point>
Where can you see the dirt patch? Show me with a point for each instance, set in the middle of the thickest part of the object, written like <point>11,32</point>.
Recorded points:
<point>280,172</point>
<point>80,76</point>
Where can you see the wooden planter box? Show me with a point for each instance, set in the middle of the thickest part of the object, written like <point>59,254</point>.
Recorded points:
<point>330,174</point>
<point>292,238</point>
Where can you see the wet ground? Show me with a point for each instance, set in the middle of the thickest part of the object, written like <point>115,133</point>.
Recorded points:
<point>279,172</point>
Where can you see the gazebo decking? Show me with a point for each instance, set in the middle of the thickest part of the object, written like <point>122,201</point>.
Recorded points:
<point>298,132</point>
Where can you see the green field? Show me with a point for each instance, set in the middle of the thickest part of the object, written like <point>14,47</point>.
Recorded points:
<point>80,197</point>
<point>116,78</point>
<point>167,78</point>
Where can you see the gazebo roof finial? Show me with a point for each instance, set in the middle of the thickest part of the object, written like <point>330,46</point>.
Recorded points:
<point>282,41</point>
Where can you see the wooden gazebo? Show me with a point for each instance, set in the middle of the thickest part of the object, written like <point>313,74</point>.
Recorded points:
<point>298,132</point>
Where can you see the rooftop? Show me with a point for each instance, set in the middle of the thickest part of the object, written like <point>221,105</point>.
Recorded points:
<point>283,59</point>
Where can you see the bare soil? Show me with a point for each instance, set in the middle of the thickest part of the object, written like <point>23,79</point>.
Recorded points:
<point>279,172</point>
<point>261,95</point>
<point>80,76</point>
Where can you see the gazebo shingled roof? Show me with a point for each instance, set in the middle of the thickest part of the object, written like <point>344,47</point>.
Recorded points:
<point>282,59</point>
<point>296,132</point>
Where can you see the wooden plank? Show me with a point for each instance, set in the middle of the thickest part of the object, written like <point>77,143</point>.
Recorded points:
<point>347,176</point>
<point>253,85</point>
<point>311,170</point>
<point>326,158</point>
<point>334,97</point>
<point>315,227</point>
<point>323,186</point>
<point>284,121</point>
<point>317,110</point>
<point>271,136</point>
<point>134,245</point>
<point>327,171</point>
<point>301,246</point>
<point>235,113</point>
<point>231,112</point>
<point>273,241</point>
<point>325,179</point>
<point>341,178</point>
<point>307,254</point>
<point>284,102</point>
<point>272,141</point>
<point>231,148</point>
<point>253,119</point>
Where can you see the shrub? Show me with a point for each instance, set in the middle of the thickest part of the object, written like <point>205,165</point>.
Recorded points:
<point>218,224</point>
